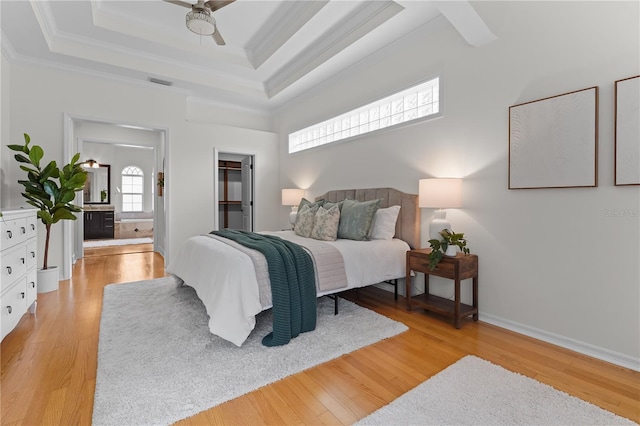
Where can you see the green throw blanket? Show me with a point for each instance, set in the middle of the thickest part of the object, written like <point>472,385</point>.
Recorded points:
<point>293,285</point>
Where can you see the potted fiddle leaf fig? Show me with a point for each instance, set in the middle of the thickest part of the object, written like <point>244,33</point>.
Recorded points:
<point>446,246</point>
<point>49,189</point>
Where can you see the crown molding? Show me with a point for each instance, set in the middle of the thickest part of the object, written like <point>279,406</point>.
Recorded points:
<point>366,17</point>
<point>89,49</point>
<point>7,48</point>
<point>291,16</point>
<point>466,21</point>
<point>134,26</point>
<point>41,63</point>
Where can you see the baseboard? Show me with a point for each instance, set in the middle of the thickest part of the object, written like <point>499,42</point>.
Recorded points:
<point>565,342</point>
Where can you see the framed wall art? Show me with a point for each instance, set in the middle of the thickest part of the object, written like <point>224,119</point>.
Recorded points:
<point>553,142</point>
<point>627,131</point>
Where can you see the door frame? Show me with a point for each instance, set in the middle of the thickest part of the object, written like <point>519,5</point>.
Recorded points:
<point>216,184</point>
<point>72,235</point>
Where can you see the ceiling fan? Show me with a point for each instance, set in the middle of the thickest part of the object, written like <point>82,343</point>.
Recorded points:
<point>200,21</point>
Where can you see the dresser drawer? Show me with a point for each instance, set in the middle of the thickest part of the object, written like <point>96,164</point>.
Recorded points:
<point>13,265</point>
<point>32,286</point>
<point>12,232</point>
<point>13,304</point>
<point>32,253</point>
<point>32,228</point>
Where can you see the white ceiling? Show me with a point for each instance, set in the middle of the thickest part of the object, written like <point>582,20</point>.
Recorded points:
<point>275,50</point>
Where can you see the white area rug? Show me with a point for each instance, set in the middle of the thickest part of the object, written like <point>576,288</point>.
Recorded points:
<point>119,242</point>
<point>158,362</point>
<point>476,392</point>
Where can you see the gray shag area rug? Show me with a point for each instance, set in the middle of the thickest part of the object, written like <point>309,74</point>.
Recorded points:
<point>158,363</point>
<point>476,392</point>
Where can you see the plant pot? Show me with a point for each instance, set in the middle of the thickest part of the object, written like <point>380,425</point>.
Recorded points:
<point>48,279</point>
<point>451,251</point>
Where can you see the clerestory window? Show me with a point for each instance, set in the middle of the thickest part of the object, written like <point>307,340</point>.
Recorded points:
<point>406,106</point>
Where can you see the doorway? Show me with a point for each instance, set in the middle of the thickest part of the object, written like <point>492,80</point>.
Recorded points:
<point>123,214</point>
<point>234,176</point>
<point>151,140</point>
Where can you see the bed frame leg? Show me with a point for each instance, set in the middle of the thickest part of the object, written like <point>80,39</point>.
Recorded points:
<point>395,287</point>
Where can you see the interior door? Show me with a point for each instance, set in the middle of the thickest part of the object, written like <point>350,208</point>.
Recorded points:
<point>247,193</point>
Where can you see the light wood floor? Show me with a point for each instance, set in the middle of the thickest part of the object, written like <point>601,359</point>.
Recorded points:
<point>49,361</point>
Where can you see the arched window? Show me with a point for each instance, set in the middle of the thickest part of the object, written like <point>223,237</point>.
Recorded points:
<point>132,189</point>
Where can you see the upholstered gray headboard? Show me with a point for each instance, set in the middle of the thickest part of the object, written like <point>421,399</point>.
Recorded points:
<point>408,224</point>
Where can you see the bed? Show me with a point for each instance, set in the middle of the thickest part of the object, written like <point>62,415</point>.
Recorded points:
<point>230,280</point>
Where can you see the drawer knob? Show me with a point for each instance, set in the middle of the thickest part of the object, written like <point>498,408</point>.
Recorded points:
<point>33,254</point>
<point>33,284</point>
<point>9,270</point>
<point>33,227</point>
<point>9,309</point>
<point>9,234</point>
<point>23,229</point>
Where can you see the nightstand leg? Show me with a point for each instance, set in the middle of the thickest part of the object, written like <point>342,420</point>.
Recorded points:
<point>475,297</point>
<point>407,290</point>
<point>456,312</point>
<point>426,284</point>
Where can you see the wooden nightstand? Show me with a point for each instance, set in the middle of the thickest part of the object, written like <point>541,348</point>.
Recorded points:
<point>456,268</point>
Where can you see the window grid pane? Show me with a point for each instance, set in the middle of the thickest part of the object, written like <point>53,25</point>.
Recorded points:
<point>132,189</point>
<point>411,104</point>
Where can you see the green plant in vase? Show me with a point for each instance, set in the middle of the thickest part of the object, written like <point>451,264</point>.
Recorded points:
<point>50,189</point>
<point>439,247</point>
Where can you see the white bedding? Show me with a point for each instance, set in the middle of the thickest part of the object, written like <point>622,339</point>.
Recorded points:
<point>224,278</point>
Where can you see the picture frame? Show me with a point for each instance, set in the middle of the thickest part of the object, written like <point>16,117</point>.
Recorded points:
<point>627,132</point>
<point>553,142</point>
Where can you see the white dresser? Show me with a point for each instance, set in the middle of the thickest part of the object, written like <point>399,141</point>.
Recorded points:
<point>18,272</point>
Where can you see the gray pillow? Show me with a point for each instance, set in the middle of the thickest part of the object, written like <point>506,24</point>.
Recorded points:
<point>305,202</point>
<point>328,204</point>
<point>304,221</point>
<point>356,218</point>
<point>325,225</point>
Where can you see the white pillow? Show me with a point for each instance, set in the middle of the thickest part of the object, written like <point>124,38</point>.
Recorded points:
<point>384,223</point>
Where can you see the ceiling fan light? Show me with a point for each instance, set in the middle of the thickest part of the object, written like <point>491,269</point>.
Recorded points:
<point>201,23</point>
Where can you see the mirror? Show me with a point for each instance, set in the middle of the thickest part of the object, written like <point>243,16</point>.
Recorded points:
<point>97,188</point>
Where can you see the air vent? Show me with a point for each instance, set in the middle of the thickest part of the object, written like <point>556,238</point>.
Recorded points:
<point>158,81</point>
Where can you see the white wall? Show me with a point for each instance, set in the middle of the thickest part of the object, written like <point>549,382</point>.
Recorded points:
<point>559,264</point>
<point>6,156</point>
<point>46,94</point>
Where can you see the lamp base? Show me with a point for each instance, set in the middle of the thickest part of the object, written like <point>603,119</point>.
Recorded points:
<point>293,215</point>
<point>437,224</point>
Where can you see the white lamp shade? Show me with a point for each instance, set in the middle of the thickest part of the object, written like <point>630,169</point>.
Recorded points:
<point>440,193</point>
<point>292,197</point>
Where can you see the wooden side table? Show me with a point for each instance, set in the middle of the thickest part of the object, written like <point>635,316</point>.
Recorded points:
<point>457,268</point>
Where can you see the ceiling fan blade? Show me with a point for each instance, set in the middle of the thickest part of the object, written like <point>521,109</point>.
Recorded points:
<point>217,4</point>
<point>217,37</point>
<point>179,3</point>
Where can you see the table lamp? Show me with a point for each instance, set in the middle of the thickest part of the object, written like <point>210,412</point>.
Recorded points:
<point>439,193</point>
<point>291,197</point>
